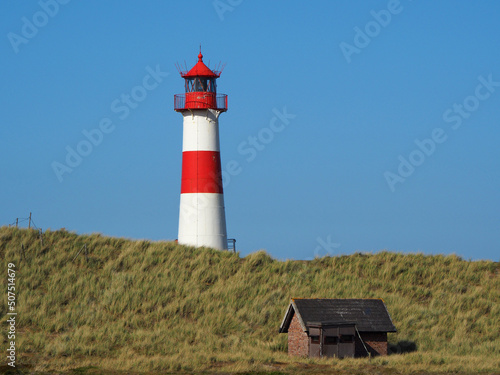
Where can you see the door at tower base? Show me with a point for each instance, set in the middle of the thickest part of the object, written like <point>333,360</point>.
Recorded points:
<point>202,220</point>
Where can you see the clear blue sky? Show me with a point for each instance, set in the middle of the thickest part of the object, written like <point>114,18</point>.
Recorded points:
<point>391,140</point>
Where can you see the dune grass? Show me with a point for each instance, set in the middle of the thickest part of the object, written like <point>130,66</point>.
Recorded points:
<point>161,307</point>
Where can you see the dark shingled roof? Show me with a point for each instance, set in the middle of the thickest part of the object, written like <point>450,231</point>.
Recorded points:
<point>370,315</point>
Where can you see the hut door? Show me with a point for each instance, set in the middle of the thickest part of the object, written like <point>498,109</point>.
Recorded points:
<point>314,342</point>
<point>346,342</point>
<point>331,346</point>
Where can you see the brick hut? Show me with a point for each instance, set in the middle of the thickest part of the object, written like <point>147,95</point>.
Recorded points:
<point>337,327</point>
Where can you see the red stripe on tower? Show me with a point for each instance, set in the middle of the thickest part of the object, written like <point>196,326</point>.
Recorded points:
<point>201,172</point>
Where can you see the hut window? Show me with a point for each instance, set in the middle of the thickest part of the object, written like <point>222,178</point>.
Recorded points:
<point>314,339</point>
<point>331,340</point>
<point>346,338</point>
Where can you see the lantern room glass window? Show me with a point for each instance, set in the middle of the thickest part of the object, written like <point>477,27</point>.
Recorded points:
<point>201,84</point>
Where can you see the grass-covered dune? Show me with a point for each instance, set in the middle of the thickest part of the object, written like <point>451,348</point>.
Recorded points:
<point>140,306</point>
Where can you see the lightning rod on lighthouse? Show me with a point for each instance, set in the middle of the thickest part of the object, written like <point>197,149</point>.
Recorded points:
<point>202,218</point>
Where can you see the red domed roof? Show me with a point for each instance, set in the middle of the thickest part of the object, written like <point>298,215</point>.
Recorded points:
<point>200,70</point>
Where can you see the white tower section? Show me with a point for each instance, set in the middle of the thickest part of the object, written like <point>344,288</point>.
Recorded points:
<point>202,218</point>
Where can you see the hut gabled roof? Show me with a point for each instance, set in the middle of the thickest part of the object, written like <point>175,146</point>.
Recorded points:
<point>370,315</point>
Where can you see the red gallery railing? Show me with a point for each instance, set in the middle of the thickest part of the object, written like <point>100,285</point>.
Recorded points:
<point>199,100</point>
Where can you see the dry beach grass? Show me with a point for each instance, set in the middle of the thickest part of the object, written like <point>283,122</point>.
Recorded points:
<point>161,307</point>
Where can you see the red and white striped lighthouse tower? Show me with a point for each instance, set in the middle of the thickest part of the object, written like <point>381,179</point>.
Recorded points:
<point>202,220</point>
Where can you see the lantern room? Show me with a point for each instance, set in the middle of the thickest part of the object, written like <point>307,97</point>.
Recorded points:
<point>200,89</point>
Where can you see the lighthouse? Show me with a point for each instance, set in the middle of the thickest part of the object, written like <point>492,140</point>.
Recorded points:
<point>202,218</point>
